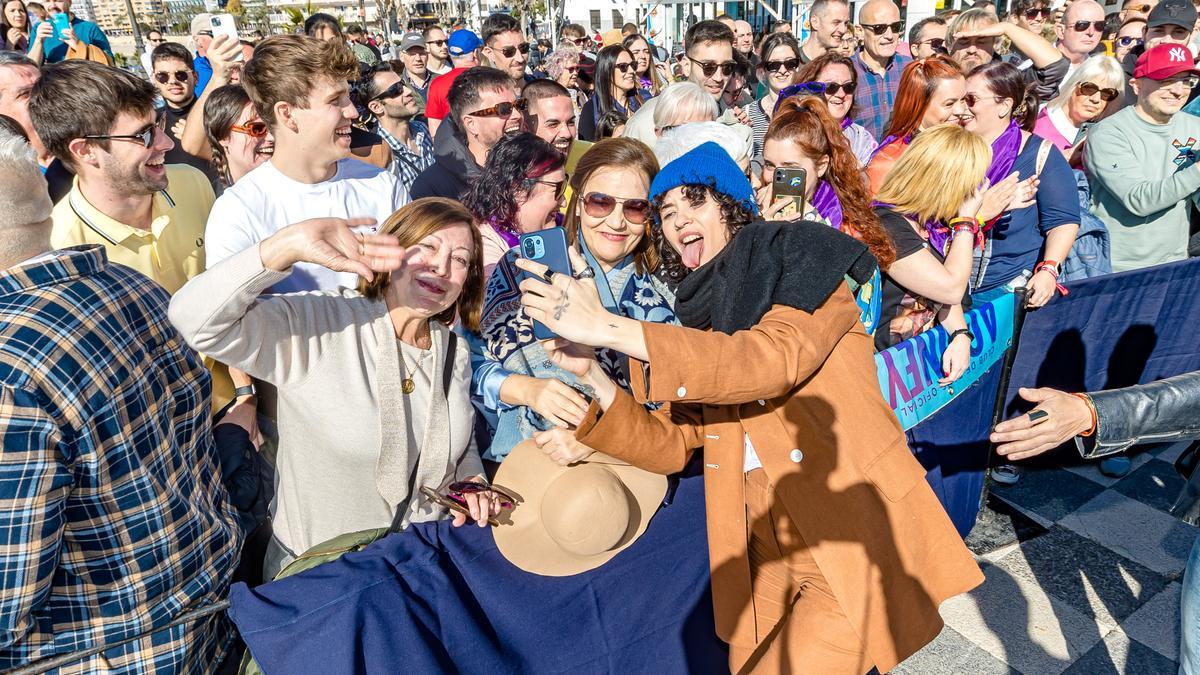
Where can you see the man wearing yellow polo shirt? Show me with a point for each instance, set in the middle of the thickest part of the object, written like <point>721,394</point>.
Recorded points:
<point>101,122</point>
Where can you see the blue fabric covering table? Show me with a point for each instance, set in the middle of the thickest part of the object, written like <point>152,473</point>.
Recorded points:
<point>437,599</point>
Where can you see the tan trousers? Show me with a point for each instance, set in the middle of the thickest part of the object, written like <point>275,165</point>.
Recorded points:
<point>801,625</point>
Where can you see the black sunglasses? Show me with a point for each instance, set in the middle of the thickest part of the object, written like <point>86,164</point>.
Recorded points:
<point>391,92</point>
<point>710,67</point>
<point>881,28</point>
<point>145,136</point>
<point>510,51</point>
<point>938,45</point>
<point>623,67</point>
<point>972,99</point>
<point>1107,94</point>
<point>1035,12</point>
<point>784,66</point>
<point>163,77</point>
<point>500,109</point>
<point>435,42</point>
<point>599,205</point>
<point>560,186</point>
<point>832,88</point>
<point>1081,26</point>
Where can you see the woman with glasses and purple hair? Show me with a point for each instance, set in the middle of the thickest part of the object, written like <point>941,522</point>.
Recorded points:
<point>607,220</point>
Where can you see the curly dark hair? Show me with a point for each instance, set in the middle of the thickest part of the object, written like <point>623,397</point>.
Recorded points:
<point>733,213</point>
<point>512,168</point>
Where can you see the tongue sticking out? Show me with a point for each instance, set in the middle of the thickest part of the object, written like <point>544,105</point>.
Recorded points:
<point>691,254</point>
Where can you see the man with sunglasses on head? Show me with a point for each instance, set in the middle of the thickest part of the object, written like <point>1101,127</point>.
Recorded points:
<point>927,37</point>
<point>830,19</point>
<point>173,74</point>
<point>708,62</point>
<point>483,109</point>
<point>395,109</point>
<point>439,55</point>
<point>1079,32</point>
<point>506,49</point>
<point>1141,161</point>
<point>879,67</point>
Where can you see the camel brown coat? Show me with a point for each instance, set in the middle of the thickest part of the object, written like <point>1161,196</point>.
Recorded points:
<point>828,443</point>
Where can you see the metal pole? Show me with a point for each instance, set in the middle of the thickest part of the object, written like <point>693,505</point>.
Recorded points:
<point>137,32</point>
<point>1002,391</point>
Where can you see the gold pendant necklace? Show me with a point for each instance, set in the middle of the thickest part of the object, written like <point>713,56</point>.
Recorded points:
<point>407,385</point>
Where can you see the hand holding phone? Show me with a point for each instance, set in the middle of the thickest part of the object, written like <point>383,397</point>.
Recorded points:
<point>548,247</point>
<point>225,24</point>
<point>789,182</point>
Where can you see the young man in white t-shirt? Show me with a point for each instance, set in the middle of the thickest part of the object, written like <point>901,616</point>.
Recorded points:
<point>299,86</point>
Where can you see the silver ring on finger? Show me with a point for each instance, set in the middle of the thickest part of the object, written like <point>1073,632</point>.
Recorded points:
<point>586,273</point>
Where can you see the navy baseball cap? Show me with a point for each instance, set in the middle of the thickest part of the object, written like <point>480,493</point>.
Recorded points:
<point>463,41</point>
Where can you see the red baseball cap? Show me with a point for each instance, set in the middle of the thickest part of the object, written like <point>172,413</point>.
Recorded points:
<point>1163,61</point>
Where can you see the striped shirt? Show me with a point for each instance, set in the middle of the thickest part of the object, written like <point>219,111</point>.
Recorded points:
<point>113,519</point>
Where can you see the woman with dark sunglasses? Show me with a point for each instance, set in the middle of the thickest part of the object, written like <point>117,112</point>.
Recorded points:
<point>839,80</point>
<point>779,59</point>
<point>1092,90</point>
<point>616,90</point>
<point>1028,238</point>
<point>606,222</point>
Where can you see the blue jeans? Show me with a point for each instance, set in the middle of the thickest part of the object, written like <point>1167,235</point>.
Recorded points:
<point>1189,615</point>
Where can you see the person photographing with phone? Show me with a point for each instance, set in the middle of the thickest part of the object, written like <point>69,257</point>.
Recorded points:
<point>71,37</point>
<point>818,565</point>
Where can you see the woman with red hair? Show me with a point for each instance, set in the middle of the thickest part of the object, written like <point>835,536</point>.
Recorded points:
<point>931,92</point>
<point>803,135</point>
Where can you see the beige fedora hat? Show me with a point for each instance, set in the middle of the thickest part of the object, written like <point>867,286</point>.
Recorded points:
<point>570,519</point>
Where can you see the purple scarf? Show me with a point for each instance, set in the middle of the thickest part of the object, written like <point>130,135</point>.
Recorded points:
<point>1004,153</point>
<point>938,236</point>
<point>510,238</point>
<point>826,203</point>
<point>846,122</point>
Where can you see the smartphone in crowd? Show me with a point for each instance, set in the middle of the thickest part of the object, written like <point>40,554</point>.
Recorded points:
<point>225,24</point>
<point>548,247</point>
<point>61,22</point>
<point>790,183</point>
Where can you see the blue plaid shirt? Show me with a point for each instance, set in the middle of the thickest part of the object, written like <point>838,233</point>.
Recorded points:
<point>113,519</point>
<point>875,95</point>
<point>406,164</point>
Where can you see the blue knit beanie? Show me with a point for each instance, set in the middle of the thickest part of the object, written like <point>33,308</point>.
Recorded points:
<point>709,165</point>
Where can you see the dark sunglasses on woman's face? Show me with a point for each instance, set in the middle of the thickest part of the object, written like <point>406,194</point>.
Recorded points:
<point>1036,13</point>
<point>578,42</point>
<point>881,28</point>
<point>1081,26</point>
<point>163,77</point>
<point>1129,40</point>
<point>832,88</point>
<point>784,66</point>
<point>710,67</point>
<point>560,187</point>
<point>391,92</point>
<point>510,51</point>
<point>623,67</point>
<point>599,205</point>
<point>973,99</point>
<point>255,129</point>
<point>1090,88</point>
<point>500,109</point>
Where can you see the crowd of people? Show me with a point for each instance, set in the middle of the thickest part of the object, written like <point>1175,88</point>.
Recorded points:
<point>274,291</point>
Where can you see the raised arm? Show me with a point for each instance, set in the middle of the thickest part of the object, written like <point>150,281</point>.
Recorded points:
<point>221,54</point>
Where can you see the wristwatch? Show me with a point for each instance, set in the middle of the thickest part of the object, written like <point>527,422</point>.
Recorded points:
<point>247,390</point>
<point>961,331</point>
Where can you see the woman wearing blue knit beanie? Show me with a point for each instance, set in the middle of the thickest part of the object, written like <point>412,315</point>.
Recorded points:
<point>829,551</point>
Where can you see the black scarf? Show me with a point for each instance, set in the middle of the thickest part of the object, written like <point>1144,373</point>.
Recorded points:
<point>795,264</point>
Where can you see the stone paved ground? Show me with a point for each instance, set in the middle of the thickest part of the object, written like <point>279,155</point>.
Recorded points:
<point>1092,586</point>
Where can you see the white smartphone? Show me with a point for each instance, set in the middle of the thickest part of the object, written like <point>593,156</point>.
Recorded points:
<point>225,24</point>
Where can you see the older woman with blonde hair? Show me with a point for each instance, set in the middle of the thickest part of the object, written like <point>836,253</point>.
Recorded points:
<point>1093,91</point>
<point>928,204</point>
<point>682,103</point>
<point>372,384</point>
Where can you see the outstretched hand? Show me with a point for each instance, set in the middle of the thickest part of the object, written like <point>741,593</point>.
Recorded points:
<point>332,243</point>
<point>1057,418</point>
<point>568,306</point>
